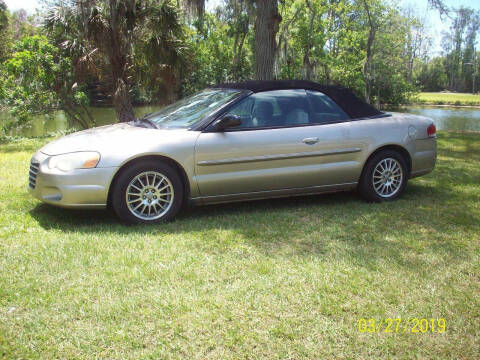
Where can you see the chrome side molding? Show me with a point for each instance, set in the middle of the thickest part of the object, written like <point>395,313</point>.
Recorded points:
<point>277,157</point>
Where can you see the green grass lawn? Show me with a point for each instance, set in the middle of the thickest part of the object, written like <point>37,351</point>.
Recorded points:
<point>448,99</point>
<point>286,278</point>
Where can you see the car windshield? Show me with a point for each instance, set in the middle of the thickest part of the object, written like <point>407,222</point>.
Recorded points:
<point>188,111</point>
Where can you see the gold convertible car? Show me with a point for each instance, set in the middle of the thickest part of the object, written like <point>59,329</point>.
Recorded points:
<point>231,142</point>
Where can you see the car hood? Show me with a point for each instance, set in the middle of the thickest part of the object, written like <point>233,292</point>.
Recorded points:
<point>110,138</point>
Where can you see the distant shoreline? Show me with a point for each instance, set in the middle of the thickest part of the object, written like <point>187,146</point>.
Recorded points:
<point>428,105</point>
<point>442,105</point>
<point>447,99</point>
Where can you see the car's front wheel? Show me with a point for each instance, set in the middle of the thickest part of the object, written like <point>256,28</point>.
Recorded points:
<point>384,177</point>
<point>148,192</point>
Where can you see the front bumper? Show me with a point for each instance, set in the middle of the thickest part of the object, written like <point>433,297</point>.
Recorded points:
<point>81,188</point>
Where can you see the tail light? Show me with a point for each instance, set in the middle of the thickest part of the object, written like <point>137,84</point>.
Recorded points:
<point>431,130</point>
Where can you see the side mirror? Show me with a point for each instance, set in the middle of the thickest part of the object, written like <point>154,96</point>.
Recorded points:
<point>226,122</point>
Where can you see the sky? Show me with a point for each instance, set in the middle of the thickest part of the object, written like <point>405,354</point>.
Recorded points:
<point>28,5</point>
<point>435,24</point>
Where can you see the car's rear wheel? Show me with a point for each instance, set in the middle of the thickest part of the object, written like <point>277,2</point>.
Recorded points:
<point>148,192</point>
<point>384,177</point>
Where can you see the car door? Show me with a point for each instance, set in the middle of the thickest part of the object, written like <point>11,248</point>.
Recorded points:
<point>280,145</point>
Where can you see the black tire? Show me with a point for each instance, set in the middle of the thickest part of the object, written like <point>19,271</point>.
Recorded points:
<point>367,188</point>
<point>124,180</point>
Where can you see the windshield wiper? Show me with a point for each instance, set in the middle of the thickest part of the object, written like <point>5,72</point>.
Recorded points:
<point>144,120</point>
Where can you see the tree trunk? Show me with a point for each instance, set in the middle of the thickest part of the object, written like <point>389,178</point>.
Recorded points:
<point>327,74</point>
<point>122,102</point>
<point>237,53</point>
<point>307,67</point>
<point>281,53</point>
<point>366,66</point>
<point>307,63</point>
<point>118,53</point>
<point>266,28</point>
<point>367,76</point>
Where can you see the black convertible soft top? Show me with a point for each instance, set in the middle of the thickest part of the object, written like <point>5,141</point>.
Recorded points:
<point>344,97</point>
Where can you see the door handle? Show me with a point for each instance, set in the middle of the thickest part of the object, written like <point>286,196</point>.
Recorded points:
<point>311,141</point>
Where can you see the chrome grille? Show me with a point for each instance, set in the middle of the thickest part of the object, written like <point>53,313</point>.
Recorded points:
<point>32,174</point>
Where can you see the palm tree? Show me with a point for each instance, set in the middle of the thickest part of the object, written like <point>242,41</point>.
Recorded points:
<point>118,38</point>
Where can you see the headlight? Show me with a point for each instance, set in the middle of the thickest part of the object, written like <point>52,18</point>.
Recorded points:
<point>76,160</point>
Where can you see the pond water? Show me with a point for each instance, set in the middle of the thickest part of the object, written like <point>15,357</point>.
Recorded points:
<point>446,118</point>
<point>57,121</point>
<point>449,118</point>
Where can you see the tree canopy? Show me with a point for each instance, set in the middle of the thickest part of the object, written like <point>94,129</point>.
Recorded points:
<point>75,54</point>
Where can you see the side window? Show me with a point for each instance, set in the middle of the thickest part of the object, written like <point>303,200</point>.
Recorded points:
<point>325,109</point>
<point>273,109</point>
<point>243,109</point>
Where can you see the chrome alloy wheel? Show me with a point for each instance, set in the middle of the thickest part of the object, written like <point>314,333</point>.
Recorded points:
<point>149,195</point>
<point>387,177</point>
